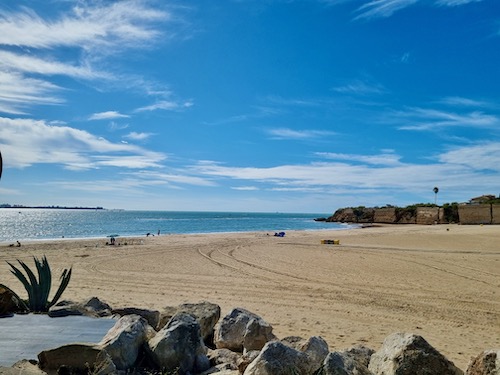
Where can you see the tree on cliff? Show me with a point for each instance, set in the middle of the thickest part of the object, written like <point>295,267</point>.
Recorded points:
<point>436,191</point>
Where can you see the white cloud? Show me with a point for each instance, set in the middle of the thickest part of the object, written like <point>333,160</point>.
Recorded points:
<point>107,115</point>
<point>421,119</point>
<point>29,64</point>
<point>31,46</point>
<point>26,142</point>
<point>482,156</point>
<point>382,8</point>
<point>456,2</point>
<point>360,88</point>
<point>286,133</point>
<point>463,102</point>
<point>138,136</point>
<point>449,171</point>
<point>118,24</point>
<point>166,105</point>
<point>386,8</point>
<point>245,188</point>
<point>388,158</point>
<point>18,92</point>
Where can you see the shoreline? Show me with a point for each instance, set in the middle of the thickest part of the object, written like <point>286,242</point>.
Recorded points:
<point>441,282</point>
<point>348,226</point>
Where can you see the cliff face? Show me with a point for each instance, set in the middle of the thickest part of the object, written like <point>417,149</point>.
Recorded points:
<point>389,215</point>
<point>467,214</point>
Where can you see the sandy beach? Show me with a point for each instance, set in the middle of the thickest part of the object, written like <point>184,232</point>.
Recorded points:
<point>441,282</point>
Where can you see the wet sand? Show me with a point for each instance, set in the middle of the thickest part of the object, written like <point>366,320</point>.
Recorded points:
<point>441,282</point>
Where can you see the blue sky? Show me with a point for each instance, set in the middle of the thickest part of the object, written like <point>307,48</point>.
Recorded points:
<point>249,105</point>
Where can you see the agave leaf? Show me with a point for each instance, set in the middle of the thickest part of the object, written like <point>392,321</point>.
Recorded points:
<point>36,304</point>
<point>20,276</point>
<point>45,279</point>
<point>65,277</point>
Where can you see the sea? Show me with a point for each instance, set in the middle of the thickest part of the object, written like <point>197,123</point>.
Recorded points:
<point>28,224</point>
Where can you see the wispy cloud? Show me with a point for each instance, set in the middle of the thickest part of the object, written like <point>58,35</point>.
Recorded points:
<point>386,8</point>
<point>463,102</point>
<point>108,115</point>
<point>26,142</point>
<point>452,3</point>
<point>30,46</point>
<point>18,93</point>
<point>90,25</point>
<point>422,119</point>
<point>166,105</point>
<point>387,158</point>
<point>359,87</point>
<point>451,170</point>
<point>481,156</point>
<point>292,134</point>
<point>382,8</point>
<point>138,136</point>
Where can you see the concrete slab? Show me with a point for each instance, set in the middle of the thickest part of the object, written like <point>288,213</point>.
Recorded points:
<point>24,336</point>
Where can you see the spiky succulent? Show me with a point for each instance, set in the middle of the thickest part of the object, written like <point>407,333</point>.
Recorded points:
<point>39,289</point>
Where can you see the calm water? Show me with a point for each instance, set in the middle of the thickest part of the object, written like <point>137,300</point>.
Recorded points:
<point>33,224</point>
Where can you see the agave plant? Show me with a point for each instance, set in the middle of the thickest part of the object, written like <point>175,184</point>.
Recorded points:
<point>39,289</point>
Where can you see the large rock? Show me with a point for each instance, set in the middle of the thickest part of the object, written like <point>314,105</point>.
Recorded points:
<point>486,363</point>
<point>207,314</point>
<point>94,307</point>
<point>151,316</point>
<point>409,354</point>
<point>10,302</point>
<point>124,341</point>
<point>242,330</point>
<point>77,358</point>
<point>344,363</point>
<point>23,367</point>
<point>277,358</point>
<point>361,354</point>
<point>315,348</point>
<point>224,357</point>
<point>178,346</point>
<point>66,308</point>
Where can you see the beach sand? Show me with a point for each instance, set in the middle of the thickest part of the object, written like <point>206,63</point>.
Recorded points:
<point>441,282</point>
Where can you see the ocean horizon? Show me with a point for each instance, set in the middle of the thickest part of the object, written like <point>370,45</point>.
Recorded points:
<point>30,224</point>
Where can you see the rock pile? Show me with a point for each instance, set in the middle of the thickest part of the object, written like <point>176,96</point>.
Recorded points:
<point>192,339</point>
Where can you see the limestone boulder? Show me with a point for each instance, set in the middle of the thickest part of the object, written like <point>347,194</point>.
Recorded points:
<point>125,339</point>
<point>77,358</point>
<point>315,348</point>
<point>361,354</point>
<point>409,354</point>
<point>178,346</point>
<point>242,330</point>
<point>344,363</point>
<point>277,358</point>
<point>486,363</point>
<point>151,316</point>
<point>207,314</point>
<point>225,357</point>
